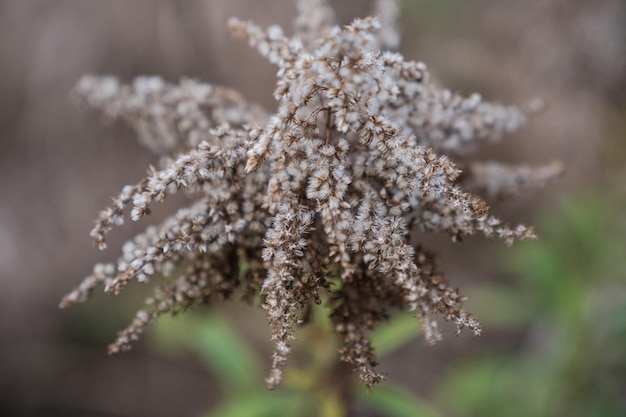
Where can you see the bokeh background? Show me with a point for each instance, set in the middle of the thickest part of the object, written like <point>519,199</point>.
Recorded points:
<point>554,311</point>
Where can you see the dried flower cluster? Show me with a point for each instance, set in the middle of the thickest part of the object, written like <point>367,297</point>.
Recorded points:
<point>318,198</point>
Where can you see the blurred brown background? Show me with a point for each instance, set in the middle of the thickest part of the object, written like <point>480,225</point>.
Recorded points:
<point>59,166</point>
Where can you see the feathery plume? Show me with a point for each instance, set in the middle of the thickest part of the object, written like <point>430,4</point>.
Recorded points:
<point>359,154</point>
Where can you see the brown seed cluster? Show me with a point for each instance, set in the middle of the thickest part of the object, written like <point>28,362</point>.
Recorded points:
<point>326,190</point>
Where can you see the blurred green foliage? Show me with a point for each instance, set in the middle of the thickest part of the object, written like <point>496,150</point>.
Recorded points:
<point>567,301</point>
<point>571,305</point>
<point>311,385</point>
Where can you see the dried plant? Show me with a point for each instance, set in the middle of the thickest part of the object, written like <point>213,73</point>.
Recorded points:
<point>318,198</point>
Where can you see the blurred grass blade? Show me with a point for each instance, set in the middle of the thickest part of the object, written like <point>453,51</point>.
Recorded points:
<point>392,401</point>
<point>227,355</point>
<point>262,404</point>
<point>394,334</point>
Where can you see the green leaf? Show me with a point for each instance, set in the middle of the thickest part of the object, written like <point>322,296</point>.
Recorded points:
<point>171,334</point>
<point>394,334</point>
<point>226,354</point>
<point>262,404</point>
<point>393,401</point>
